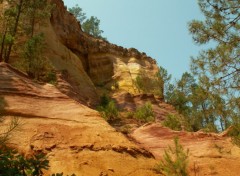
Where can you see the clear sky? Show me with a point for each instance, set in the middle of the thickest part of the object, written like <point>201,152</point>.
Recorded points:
<point>156,27</point>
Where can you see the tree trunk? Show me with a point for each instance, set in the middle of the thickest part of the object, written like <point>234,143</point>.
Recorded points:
<point>14,30</point>
<point>2,46</point>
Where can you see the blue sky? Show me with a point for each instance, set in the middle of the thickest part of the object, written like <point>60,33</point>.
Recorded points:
<point>156,27</point>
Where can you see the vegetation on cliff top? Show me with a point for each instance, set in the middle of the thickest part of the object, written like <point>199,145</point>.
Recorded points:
<point>89,25</point>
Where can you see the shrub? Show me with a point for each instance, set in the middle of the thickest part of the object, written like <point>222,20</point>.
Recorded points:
<point>234,133</point>
<point>50,77</point>
<point>174,162</point>
<point>12,163</point>
<point>145,113</point>
<point>129,114</point>
<point>146,84</point>
<point>173,122</point>
<point>108,108</point>
<point>126,129</point>
<point>104,100</point>
<point>210,127</point>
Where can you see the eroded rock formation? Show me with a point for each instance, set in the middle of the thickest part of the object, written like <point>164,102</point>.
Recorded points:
<point>74,137</point>
<point>209,153</point>
<point>102,62</point>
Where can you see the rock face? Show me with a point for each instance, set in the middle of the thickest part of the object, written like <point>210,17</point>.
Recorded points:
<point>209,153</point>
<point>75,138</point>
<point>104,63</point>
<point>130,103</point>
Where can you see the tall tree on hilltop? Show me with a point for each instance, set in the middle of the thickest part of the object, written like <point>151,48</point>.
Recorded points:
<point>163,79</point>
<point>219,67</point>
<point>91,25</point>
<point>78,13</point>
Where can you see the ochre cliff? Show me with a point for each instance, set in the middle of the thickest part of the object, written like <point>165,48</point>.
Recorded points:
<point>74,137</point>
<point>209,153</point>
<point>104,63</point>
<point>59,122</point>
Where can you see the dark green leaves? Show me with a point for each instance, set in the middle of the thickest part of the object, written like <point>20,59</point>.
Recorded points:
<point>12,163</point>
<point>89,25</point>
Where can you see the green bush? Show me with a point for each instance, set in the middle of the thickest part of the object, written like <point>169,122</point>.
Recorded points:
<point>174,162</point>
<point>50,77</point>
<point>234,133</point>
<point>12,163</point>
<point>173,122</point>
<point>108,109</point>
<point>104,100</point>
<point>210,127</point>
<point>145,113</point>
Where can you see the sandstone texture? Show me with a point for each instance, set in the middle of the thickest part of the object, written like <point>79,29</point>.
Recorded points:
<point>129,103</point>
<point>61,121</point>
<point>209,153</point>
<point>74,137</point>
<point>102,62</point>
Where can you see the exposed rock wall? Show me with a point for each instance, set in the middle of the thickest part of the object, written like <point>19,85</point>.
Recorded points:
<point>102,61</point>
<point>74,137</point>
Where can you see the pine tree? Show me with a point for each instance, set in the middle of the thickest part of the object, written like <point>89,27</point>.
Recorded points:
<point>89,25</point>
<point>163,79</point>
<point>19,19</point>
<point>175,161</point>
<point>219,66</point>
<point>78,13</point>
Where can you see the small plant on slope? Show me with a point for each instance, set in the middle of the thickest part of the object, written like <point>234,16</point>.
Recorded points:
<point>173,122</point>
<point>145,113</point>
<point>108,108</point>
<point>174,162</point>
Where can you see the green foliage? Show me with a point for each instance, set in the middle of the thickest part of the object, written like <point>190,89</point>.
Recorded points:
<point>89,25</point>
<point>146,84</point>
<point>173,122</point>
<point>37,12</point>
<point>218,68</point>
<point>174,162</point>
<point>145,113</point>
<point>92,27</point>
<point>12,163</point>
<point>234,131</point>
<point>163,80</point>
<point>78,13</point>
<point>104,100</point>
<point>35,64</point>
<point>5,134</point>
<point>201,108</point>
<point>18,22</point>
<point>109,112</point>
<point>130,114</point>
<point>12,126</point>
<point>157,84</point>
<point>108,108</point>
<point>125,129</point>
